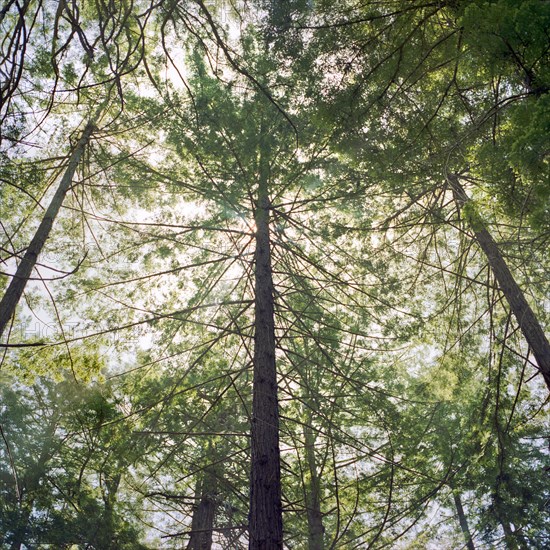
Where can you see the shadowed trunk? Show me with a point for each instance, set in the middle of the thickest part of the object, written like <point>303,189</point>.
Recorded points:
<point>512,539</point>
<point>107,538</point>
<point>19,281</point>
<point>265,520</point>
<point>463,521</point>
<point>528,322</point>
<point>202,522</point>
<point>31,484</point>
<point>509,535</point>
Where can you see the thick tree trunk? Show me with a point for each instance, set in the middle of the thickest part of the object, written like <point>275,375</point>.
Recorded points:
<point>528,322</point>
<point>204,513</point>
<point>513,539</point>
<point>313,493</point>
<point>463,521</point>
<point>19,281</point>
<point>265,520</point>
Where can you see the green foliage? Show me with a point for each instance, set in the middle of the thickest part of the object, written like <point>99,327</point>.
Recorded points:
<point>511,37</point>
<point>67,455</point>
<point>402,379</point>
<point>517,165</point>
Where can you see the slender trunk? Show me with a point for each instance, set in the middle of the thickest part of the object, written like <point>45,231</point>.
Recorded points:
<point>265,520</point>
<point>509,535</point>
<point>313,492</point>
<point>108,538</point>
<point>20,531</point>
<point>463,521</point>
<point>202,522</point>
<point>515,538</point>
<point>19,281</point>
<point>528,322</point>
<point>31,484</point>
<point>512,539</point>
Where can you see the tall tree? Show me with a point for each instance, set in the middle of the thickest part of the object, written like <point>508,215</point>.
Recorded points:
<point>266,522</point>
<point>528,322</point>
<point>25,268</point>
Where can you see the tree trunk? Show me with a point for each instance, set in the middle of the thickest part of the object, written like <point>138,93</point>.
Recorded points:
<point>20,530</point>
<point>108,539</point>
<point>19,281</point>
<point>508,535</point>
<point>265,519</point>
<point>313,492</point>
<point>512,539</point>
<point>31,484</point>
<point>528,322</point>
<point>463,521</point>
<point>202,522</point>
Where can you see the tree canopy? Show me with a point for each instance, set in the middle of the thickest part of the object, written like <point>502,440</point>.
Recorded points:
<point>274,274</point>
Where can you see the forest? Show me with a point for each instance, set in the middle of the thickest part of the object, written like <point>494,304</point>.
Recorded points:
<point>274,274</point>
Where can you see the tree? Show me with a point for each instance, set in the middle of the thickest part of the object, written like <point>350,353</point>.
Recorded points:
<point>526,319</point>
<point>51,69</point>
<point>17,286</point>
<point>430,84</point>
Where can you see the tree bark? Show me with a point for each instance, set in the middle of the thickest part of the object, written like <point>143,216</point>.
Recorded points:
<point>528,322</point>
<point>19,281</point>
<point>313,492</point>
<point>265,519</point>
<point>463,521</point>
<point>204,513</point>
